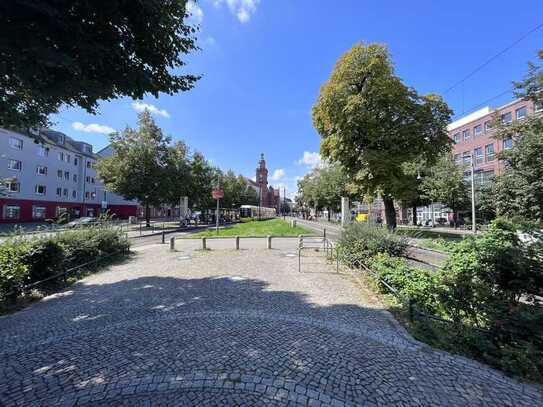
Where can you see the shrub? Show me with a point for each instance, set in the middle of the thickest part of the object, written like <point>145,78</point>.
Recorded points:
<point>360,242</point>
<point>491,282</point>
<point>412,283</point>
<point>84,245</point>
<point>44,258</point>
<point>13,270</point>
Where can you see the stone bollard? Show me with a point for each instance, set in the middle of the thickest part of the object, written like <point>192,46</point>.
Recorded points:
<point>163,237</point>
<point>204,243</point>
<point>237,242</point>
<point>269,238</point>
<point>172,244</point>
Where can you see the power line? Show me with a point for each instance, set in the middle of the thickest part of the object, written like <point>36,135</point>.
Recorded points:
<point>491,59</point>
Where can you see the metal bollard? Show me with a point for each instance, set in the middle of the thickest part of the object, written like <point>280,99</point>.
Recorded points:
<point>163,237</point>
<point>324,240</point>
<point>237,242</point>
<point>172,244</point>
<point>269,238</point>
<point>204,243</point>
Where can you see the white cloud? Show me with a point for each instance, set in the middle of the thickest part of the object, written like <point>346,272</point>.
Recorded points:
<point>92,128</point>
<point>242,9</point>
<point>140,107</point>
<point>312,160</point>
<point>196,13</point>
<point>278,174</point>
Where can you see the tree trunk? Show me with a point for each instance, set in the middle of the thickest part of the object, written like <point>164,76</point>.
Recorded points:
<point>390,213</point>
<point>147,216</point>
<point>414,209</point>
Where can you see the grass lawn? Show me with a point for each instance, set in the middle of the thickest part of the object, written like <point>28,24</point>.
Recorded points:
<point>272,227</point>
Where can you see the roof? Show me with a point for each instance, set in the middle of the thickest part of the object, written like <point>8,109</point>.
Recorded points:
<point>52,137</point>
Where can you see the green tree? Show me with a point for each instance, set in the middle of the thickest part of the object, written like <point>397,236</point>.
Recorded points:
<point>237,191</point>
<point>78,52</point>
<point>138,168</point>
<point>371,123</point>
<point>204,177</point>
<point>519,190</point>
<point>445,183</point>
<point>178,178</point>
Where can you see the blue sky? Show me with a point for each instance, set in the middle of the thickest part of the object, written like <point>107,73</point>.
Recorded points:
<point>263,62</point>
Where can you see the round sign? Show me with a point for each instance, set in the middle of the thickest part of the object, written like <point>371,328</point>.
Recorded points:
<point>217,194</point>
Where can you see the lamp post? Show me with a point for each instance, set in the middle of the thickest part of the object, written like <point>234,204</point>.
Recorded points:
<point>473,223</point>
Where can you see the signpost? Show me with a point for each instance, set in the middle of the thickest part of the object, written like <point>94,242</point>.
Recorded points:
<point>217,194</point>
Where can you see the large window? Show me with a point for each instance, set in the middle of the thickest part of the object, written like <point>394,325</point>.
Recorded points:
<point>521,113</point>
<point>40,189</point>
<point>507,143</point>
<point>465,134</point>
<point>507,117</point>
<point>74,194</point>
<point>43,151</point>
<point>60,156</point>
<point>488,125</point>
<point>457,158</point>
<point>466,157</point>
<point>489,151</point>
<point>59,174</point>
<point>16,143</point>
<point>15,165</point>
<point>59,191</point>
<point>41,170</point>
<point>457,138</point>
<point>478,153</point>
<point>38,212</point>
<point>12,212</point>
<point>477,130</point>
<point>66,175</point>
<point>538,106</point>
<point>13,187</point>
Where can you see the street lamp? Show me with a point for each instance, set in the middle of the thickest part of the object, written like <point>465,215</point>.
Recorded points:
<point>473,223</point>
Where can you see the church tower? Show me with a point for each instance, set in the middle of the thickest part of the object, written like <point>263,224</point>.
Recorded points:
<point>262,181</point>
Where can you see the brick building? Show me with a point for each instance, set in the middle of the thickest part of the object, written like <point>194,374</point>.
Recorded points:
<point>50,174</point>
<point>474,135</point>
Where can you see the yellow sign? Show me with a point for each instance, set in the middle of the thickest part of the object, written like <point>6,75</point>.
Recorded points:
<point>361,217</point>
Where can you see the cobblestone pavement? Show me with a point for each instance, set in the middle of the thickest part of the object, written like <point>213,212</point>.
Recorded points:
<point>231,329</point>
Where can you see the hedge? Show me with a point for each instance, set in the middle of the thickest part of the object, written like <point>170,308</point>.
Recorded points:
<point>25,261</point>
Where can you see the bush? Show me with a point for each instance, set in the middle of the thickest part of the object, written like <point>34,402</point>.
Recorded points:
<point>490,283</point>
<point>44,258</point>
<point>28,261</point>
<point>13,270</point>
<point>84,245</point>
<point>412,283</point>
<point>360,242</point>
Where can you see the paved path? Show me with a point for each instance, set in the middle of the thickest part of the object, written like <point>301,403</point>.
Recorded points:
<point>231,329</point>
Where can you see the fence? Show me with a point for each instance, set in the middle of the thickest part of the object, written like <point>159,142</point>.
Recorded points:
<point>65,273</point>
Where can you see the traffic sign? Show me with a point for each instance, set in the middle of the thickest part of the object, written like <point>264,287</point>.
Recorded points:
<point>217,194</point>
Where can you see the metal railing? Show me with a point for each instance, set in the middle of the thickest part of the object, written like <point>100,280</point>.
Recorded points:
<point>65,273</point>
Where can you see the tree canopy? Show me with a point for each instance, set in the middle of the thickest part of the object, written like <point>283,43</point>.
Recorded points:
<point>445,183</point>
<point>323,187</point>
<point>372,123</point>
<point>139,167</point>
<point>77,52</point>
<point>518,192</point>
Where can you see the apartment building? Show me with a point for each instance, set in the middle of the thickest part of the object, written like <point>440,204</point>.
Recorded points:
<point>473,135</point>
<point>49,174</point>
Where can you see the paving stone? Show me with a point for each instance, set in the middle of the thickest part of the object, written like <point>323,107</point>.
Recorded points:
<point>229,328</point>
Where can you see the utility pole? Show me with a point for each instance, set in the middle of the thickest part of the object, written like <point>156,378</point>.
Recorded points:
<point>473,223</point>
<point>284,201</point>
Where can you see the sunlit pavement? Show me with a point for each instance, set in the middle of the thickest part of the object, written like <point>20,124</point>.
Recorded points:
<point>226,327</point>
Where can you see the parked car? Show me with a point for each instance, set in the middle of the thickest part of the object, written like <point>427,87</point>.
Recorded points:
<point>82,222</point>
